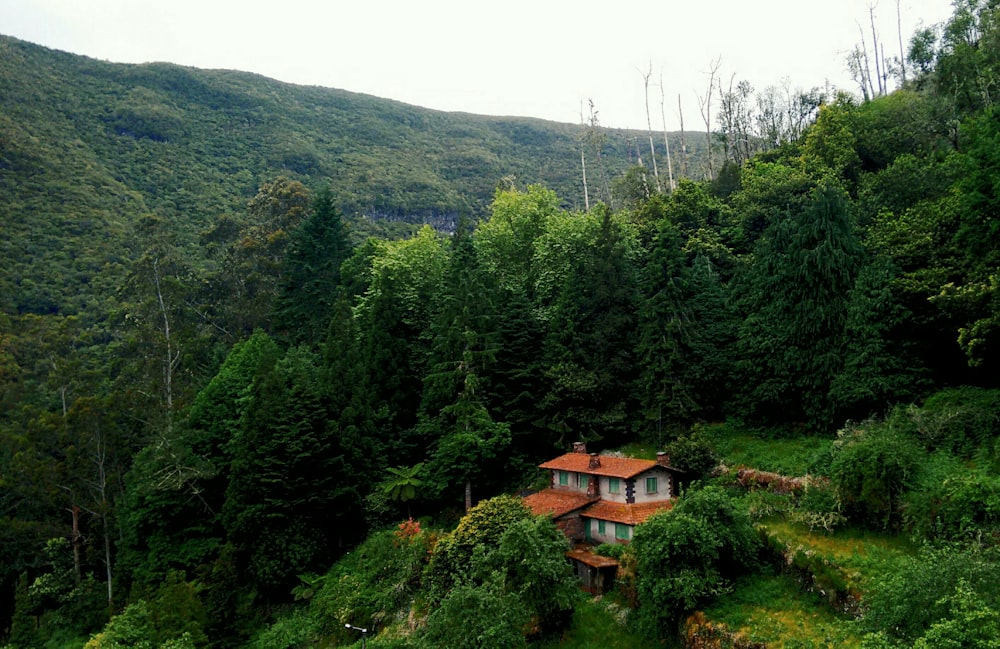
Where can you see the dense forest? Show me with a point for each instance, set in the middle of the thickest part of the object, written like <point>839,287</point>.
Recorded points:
<point>261,345</point>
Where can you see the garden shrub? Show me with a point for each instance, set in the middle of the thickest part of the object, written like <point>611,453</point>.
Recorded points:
<point>688,555</point>
<point>873,467</point>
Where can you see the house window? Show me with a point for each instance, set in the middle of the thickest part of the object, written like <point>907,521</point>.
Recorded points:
<point>581,480</point>
<point>621,532</point>
<point>651,485</point>
<point>613,486</point>
<point>601,527</point>
<point>563,478</point>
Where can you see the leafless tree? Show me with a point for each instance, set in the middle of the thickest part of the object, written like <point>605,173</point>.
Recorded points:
<point>705,107</point>
<point>684,148</point>
<point>649,124</point>
<point>583,162</point>
<point>666,140</point>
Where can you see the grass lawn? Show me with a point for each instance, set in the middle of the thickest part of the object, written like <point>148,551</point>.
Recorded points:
<point>792,456</point>
<point>598,623</point>
<point>774,610</point>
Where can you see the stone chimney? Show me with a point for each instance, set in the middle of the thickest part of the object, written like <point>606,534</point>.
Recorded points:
<point>663,459</point>
<point>579,447</point>
<point>595,461</point>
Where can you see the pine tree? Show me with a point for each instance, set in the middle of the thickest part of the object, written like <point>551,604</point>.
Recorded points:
<point>794,303</point>
<point>311,275</point>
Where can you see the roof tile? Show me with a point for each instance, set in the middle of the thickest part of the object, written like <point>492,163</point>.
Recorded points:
<point>624,513</point>
<point>611,466</point>
<point>557,502</point>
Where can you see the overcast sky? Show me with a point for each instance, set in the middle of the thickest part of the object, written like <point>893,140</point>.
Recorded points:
<point>537,58</point>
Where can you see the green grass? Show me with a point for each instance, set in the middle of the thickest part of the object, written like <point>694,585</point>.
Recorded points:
<point>793,456</point>
<point>598,623</point>
<point>773,609</point>
<point>849,547</point>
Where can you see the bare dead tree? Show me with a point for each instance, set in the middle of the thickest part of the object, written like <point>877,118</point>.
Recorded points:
<point>899,34</point>
<point>705,107</point>
<point>684,148</point>
<point>864,63</point>
<point>583,162</point>
<point>666,140</point>
<point>649,124</point>
<point>879,73</point>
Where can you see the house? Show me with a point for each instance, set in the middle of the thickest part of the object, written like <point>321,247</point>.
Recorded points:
<point>600,499</point>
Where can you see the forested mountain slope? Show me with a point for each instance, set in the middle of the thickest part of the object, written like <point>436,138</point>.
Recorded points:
<point>213,386</point>
<point>87,147</point>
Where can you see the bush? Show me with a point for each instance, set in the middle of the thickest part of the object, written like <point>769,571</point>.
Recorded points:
<point>959,420</point>
<point>872,468</point>
<point>913,594</point>
<point>953,501</point>
<point>483,525</point>
<point>693,453</point>
<point>686,556</point>
<point>369,586</point>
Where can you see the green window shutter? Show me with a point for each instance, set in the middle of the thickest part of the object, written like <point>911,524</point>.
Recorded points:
<point>601,528</point>
<point>581,480</point>
<point>613,485</point>
<point>621,532</point>
<point>563,478</point>
<point>651,485</point>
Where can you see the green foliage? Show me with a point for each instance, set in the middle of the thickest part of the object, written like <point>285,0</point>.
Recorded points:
<point>521,587</point>
<point>688,556</point>
<point>953,501</point>
<point>477,616</point>
<point>372,585</point>
<point>794,308</point>
<point>957,420</point>
<point>873,467</point>
<point>693,453</point>
<point>137,628</point>
<point>483,525</point>
<point>936,594</point>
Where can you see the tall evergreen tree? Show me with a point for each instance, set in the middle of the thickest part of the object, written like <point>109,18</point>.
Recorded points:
<point>793,300</point>
<point>311,275</point>
<point>589,347</point>
<point>292,497</point>
<point>666,328</point>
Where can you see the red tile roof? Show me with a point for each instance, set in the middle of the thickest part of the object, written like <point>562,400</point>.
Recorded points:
<point>611,466</point>
<point>614,467</point>
<point>557,502</point>
<point>623,513</point>
<point>589,558</point>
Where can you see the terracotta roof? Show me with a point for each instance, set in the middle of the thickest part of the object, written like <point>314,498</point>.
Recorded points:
<point>589,558</point>
<point>614,467</point>
<point>556,502</point>
<point>623,513</point>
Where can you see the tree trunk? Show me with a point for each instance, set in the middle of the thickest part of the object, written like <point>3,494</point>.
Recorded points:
<point>76,543</point>
<point>649,126</point>
<point>468,495</point>
<point>666,141</point>
<point>684,148</point>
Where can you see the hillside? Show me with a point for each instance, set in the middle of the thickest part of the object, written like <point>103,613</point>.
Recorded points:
<point>86,147</point>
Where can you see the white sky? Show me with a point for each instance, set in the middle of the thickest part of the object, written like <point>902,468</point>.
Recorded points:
<point>537,58</point>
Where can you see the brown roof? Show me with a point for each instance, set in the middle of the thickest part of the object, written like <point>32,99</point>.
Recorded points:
<point>556,502</point>
<point>614,467</point>
<point>623,513</point>
<point>589,558</point>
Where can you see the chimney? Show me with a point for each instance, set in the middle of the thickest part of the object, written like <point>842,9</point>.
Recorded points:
<point>663,459</point>
<point>579,447</point>
<point>595,461</point>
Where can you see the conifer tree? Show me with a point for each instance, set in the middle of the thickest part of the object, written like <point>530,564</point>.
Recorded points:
<point>794,303</point>
<point>311,273</point>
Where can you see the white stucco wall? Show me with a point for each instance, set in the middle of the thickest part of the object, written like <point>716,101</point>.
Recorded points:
<point>609,531</point>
